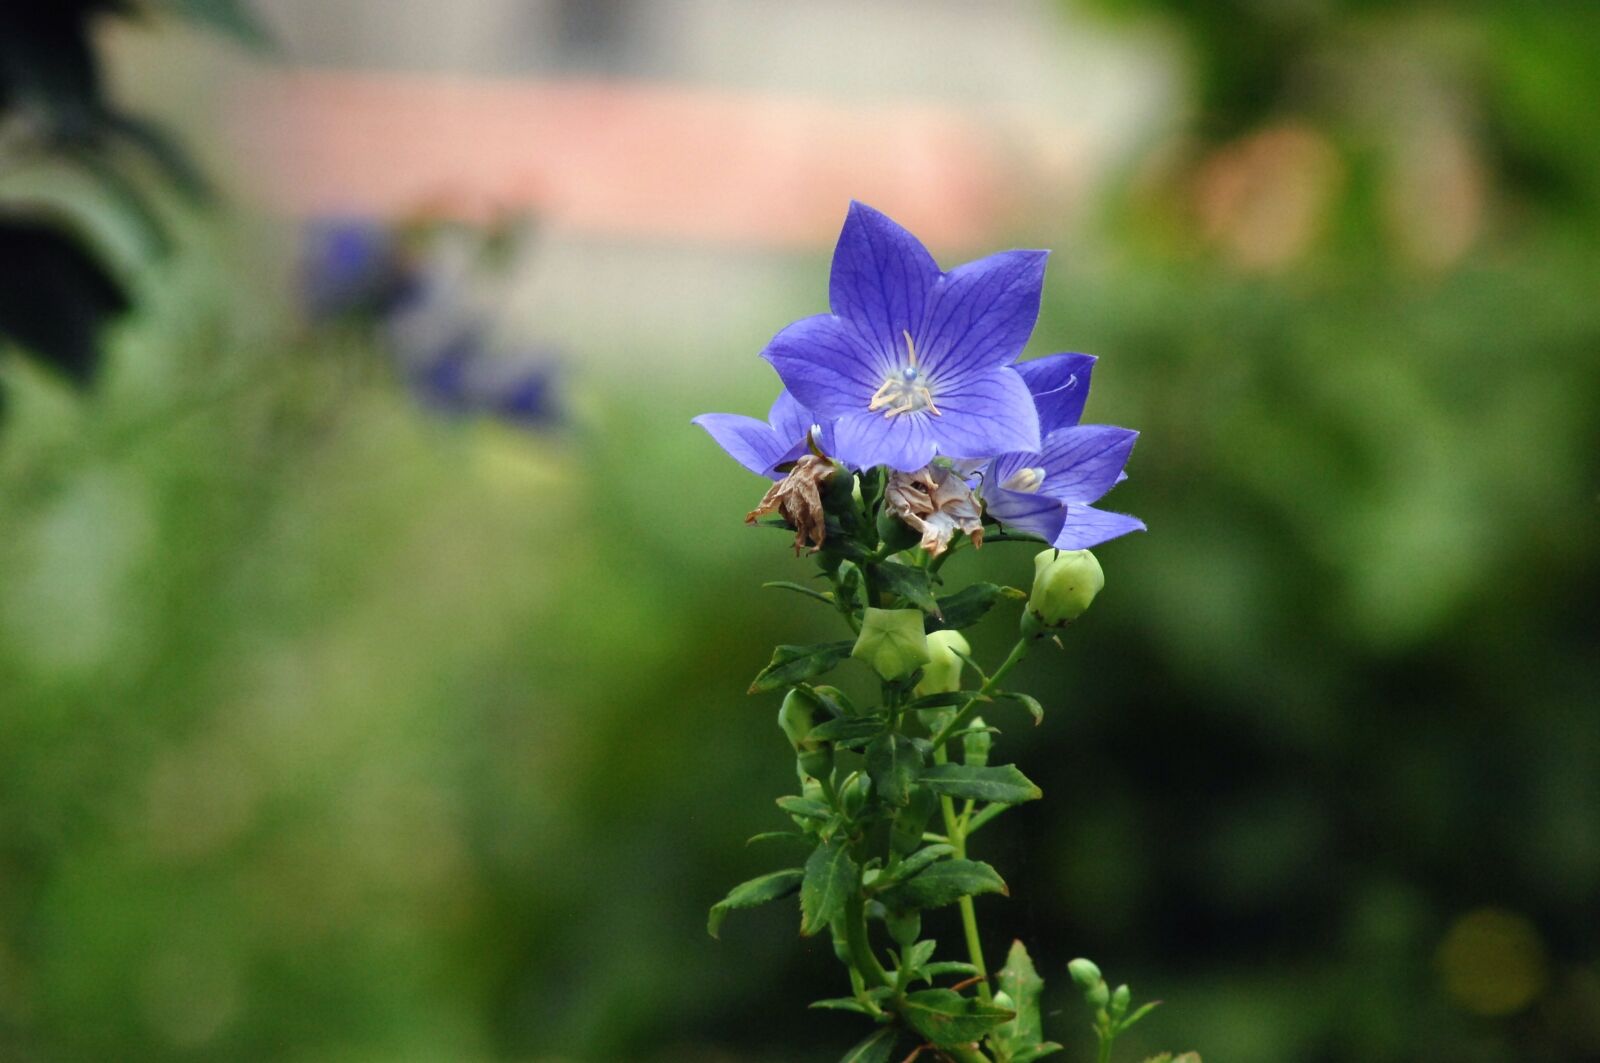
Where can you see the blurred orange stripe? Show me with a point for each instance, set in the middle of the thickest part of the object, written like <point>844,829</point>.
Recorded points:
<point>625,158</point>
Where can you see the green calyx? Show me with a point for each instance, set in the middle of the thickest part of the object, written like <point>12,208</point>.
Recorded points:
<point>892,642</point>
<point>942,675</point>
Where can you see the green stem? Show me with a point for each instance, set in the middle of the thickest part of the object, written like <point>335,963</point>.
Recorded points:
<point>855,935</point>
<point>1104,1055</point>
<point>969,914</point>
<point>961,718</point>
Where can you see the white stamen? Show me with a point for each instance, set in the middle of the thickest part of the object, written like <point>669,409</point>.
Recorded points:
<point>904,391</point>
<point>1026,481</point>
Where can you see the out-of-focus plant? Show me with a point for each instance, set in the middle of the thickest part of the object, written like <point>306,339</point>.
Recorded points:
<point>431,295</point>
<point>935,439</point>
<point>81,179</point>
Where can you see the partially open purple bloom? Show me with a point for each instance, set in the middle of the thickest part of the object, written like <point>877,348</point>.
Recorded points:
<point>1047,492</point>
<point>913,362</point>
<point>761,445</point>
<point>354,268</point>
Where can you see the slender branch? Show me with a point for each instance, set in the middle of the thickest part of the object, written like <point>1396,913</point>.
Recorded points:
<point>961,718</point>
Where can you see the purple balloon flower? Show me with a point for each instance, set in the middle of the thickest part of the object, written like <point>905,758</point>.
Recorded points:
<point>761,445</point>
<point>913,362</point>
<point>1047,492</point>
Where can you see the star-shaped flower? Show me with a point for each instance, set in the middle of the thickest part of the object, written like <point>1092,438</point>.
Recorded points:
<point>760,446</point>
<point>913,362</point>
<point>1048,492</point>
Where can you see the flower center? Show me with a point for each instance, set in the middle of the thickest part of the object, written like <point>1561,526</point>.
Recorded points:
<point>905,390</point>
<point>1027,481</point>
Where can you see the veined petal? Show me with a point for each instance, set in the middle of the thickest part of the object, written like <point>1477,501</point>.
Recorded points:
<point>1082,463</point>
<point>1038,515</point>
<point>906,442</point>
<point>881,279</point>
<point>981,315</point>
<point>749,442</point>
<point>1060,386</point>
<point>1085,526</point>
<point>790,421</point>
<point>826,365</point>
<point>988,413</point>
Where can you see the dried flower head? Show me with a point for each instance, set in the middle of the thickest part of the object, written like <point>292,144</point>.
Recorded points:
<point>797,498</point>
<point>937,502</point>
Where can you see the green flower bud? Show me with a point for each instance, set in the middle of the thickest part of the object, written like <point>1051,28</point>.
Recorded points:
<point>1120,1000</point>
<point>1064,583</point>
<point>1084,973</point>
<point>854,794</point>
<point>892,642</point>
<point>904,927</point>
<point>975,746</point>
<point>1002,999</point>
<point>943,672</point>
<point>796,717</point>
<point>1098,996</point>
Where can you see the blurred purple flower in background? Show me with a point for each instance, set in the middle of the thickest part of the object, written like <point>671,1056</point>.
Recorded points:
<point>428,313</point>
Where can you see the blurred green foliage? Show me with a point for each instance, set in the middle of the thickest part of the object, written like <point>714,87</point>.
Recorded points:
<point>330,732</point>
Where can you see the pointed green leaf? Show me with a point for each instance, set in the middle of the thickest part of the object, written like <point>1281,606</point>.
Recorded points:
<point>1019,981</point>
<point>756,891</point>
<point>1035,709</point>
<point>876,1047</point>
<point>909,583</point>
<point>915,863</point>
<point>792,664</point>
<point>971,604</point>
<point>1038,1051</point>
<point>830,878</point>
<point>776,835</point>
<point>841,1004</point>
<point>848,730</point>
<point>893,763</point>
<point>943,884</point>
<point>825,597</point>
<point>945,1017</point>
<point>804,807</point>
<point>931,971</point>
<point>1138,1014</point>
<point>942,701</point>
<point>984,815</point>
<point>1003,783</point>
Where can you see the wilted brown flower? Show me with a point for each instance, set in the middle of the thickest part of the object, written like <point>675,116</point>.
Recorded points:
<point>798,499</point>
<point>936,502</point>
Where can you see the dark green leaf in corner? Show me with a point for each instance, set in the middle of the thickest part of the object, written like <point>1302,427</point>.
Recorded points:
<point>756,891</point>
<point>1003,783</point>
<point>793,664</point>
<point>945,1017</point>
<point>831,877</point>
<point>876,1048</point>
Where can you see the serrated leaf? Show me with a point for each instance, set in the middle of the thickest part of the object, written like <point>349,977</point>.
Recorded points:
<point>1002,783</point>
<point>1028,702</point>
<point>793,664</point>
<point>909,583</point>
<point>756,891</point>
<point>942,884</point>
<point>831,877</point>
<point>1019,981</point>
<point>893,763</point>
<point>915,863</point>
<point>804,807</point>
<point>876,1047</point>
<point>847,730</point>
<point>945,1017</point>
<point>825,597</point>
<point>971,604</point>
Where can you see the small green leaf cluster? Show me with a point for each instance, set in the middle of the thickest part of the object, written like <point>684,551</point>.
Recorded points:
<point>1112,1014</point>
<point>891,794</point>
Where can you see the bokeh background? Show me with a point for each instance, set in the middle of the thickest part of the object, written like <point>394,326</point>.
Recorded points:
<point>343,718</point>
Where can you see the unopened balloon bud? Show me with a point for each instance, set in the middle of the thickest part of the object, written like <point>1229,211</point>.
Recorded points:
<point>1084,973</point>
<point>905,837</point>
<point>1064,583</point>
<point>854,794</point>
<point>892,642</point>
<point>942,673</point>
<point>796,716</point>
<point>1120,999</point>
